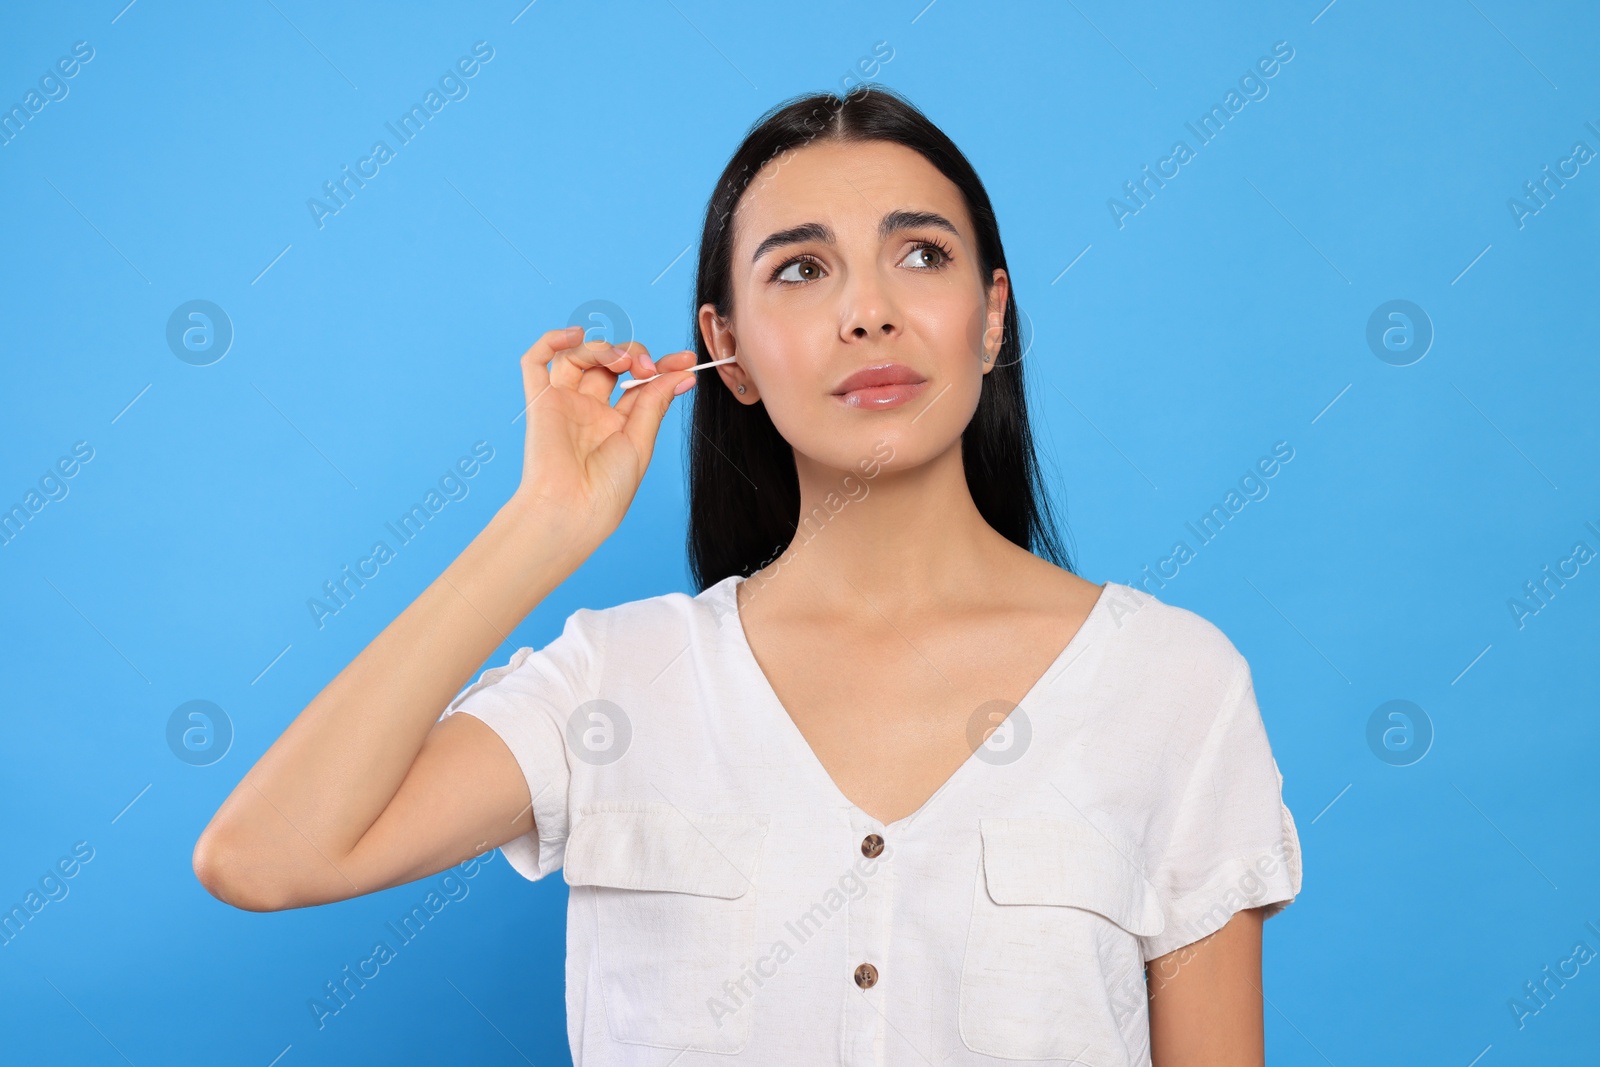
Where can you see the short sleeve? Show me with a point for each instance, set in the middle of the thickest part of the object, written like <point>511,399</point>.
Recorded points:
<point>1233,844</point>
<point>528,702</point>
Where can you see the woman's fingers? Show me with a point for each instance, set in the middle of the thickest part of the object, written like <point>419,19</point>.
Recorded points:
<point>676,361</point>
<point>631,356</point>
<point>643,365</point>
<point>573,362</point>
<point>535,376</point>
<point>644,408</point>
<point>593,367</point>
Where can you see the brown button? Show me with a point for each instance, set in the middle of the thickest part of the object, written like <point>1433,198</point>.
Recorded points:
<point>871,845</point>
<point>866,976</point>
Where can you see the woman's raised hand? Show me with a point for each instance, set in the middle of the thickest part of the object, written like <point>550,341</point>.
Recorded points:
<point>363,790</point>
<point>584,458</point>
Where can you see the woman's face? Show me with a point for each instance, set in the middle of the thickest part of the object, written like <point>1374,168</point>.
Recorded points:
<point>850,257</point>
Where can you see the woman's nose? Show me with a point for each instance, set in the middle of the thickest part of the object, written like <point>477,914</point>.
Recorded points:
<point>868,310</point>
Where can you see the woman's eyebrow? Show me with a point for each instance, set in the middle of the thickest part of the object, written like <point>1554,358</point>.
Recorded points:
<point>890,223</point>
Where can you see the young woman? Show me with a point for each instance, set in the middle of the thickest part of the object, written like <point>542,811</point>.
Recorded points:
<point>891,788</point>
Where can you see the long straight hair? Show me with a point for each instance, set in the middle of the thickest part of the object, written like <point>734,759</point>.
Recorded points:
<point>744,488</point>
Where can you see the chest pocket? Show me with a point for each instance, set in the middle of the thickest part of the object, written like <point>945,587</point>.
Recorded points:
<point>675,902</point>
<point>1053,967</point>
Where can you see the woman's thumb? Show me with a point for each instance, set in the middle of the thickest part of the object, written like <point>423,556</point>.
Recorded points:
<point>644,421</point>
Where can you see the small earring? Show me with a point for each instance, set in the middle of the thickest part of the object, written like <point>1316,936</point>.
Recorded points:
<point>741,390</point>
<point>986,358</point>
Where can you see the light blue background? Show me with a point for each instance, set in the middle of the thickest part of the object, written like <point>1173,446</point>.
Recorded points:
<point>1228,314</point>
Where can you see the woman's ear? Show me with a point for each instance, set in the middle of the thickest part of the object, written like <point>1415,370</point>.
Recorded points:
<point>721,343</point>
<point>994,331</point>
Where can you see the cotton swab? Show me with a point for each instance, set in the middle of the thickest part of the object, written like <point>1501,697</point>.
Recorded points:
<point>631,382</point>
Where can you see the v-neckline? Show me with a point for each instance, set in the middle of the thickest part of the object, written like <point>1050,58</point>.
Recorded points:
<point>1068,655</point>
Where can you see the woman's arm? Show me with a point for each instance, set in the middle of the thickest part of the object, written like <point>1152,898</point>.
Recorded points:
<point>1205,999</point>
<point>366,788</point>
<point>344,803</point>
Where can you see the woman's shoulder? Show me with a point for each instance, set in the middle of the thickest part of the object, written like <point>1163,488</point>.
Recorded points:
<point>1146,623</point>
<point>1169,672</point>
<point>1174,640</point>
<point>670,613</point>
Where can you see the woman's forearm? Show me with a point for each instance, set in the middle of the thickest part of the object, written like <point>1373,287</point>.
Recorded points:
<point>309,799</point>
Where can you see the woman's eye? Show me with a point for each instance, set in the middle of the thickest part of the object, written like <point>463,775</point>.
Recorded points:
<point>925,257</point>
<point>801,270</point>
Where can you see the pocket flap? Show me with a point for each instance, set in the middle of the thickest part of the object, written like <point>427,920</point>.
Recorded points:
<point>1057,861</point>
<point>664,848</point>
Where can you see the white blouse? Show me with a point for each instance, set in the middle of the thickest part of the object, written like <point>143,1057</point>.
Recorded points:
<point>729,904</point>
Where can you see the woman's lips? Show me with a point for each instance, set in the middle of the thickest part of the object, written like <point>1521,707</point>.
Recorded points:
<point>881,396</point>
